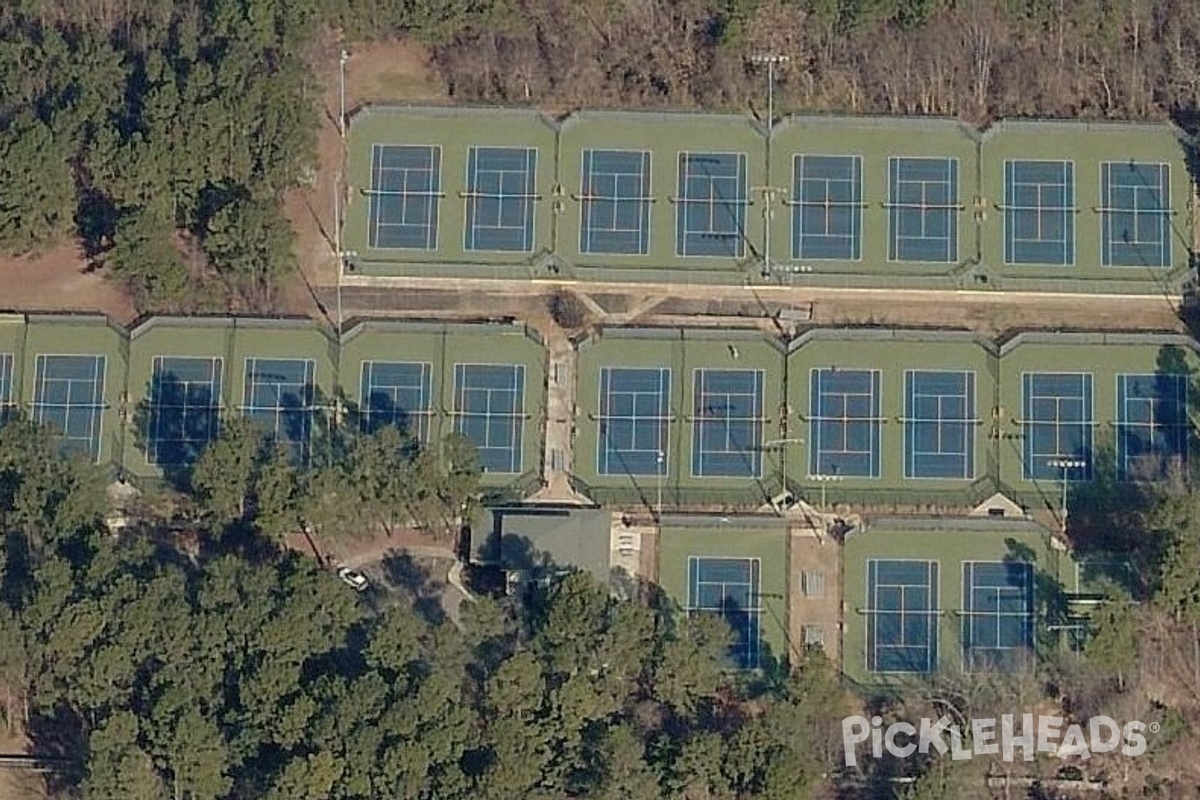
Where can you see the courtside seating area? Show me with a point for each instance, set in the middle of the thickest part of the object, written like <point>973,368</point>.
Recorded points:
<point>697,198</point>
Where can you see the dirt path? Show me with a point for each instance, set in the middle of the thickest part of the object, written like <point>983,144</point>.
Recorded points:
<point>17,784</point>
<point>59,280</point>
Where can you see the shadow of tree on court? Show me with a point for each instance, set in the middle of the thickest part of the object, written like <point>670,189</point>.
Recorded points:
<point>173,423</point>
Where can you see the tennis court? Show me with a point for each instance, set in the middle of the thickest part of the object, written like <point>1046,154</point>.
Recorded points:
<point>998,614</point>
<point>939,431</point>
<point>1152,424</point>
<point>727,428</point>
<point>185,408</point>
<point>844,422</point>
<point>396,393</point>
<point>827,207</point>
<point>1137,214</point>
<point>710,216</point>
<point>279,396</point>
<point>902,611</point>
<point>634,416</point>
<point>68,395</point>
<point>615,202</point>
<point>1057,424</point>
<point>405,190</point>
<point>489,409</point>
<point>501,198</point>
<point>1039,212</point>
<point>923,209</point>
<point>729,587</point>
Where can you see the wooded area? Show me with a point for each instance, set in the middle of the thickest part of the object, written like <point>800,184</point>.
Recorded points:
<point>242,671</point>
<point>164,134</point>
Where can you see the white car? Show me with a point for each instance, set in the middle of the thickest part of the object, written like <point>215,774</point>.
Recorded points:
<point>355,580</point>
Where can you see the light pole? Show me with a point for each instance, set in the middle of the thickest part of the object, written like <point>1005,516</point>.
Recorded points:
<point>659,459</point>
<point>824,480</point>
<point>771,60</point>
<point>781,446</point>
<point>1066,464</point>
<point>342,93</point>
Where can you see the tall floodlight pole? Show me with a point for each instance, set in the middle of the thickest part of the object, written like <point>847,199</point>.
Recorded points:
<point>340,257</point>
<point>771,60</point>
<point>342,93</point>
<point>781,446</point>
<point>824,480</point>
<point>659,459</point>
<point>1066,465</point>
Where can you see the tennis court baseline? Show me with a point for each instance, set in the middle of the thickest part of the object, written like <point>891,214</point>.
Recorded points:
<point>397,393</point>
<point>1136,214</point>
<point>68,395</point>
<point>615,202</point>
<point>827,207</point>
<point>1152,425</point>
<point>489,409</point>
<point>1039,212</point>
<point>940,423</point>
<point>902,616</point>
<point>1057,424</point>
<point>405,190</point>
<point>998,614</point>
<point>923,209</point>
<point>730,588</point>
<point>727,426</point>
<point>185,408</point>
<point>501,198</point>
<point>710,211</point>
<point>844,422</point>
<point>633,422</point>
<point>279,396</point>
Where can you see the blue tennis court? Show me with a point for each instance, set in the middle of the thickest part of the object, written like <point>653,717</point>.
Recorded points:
<point>939,429</point>
<point>923,209</point>
<point>489,409</point>
<point>729,587</point>
<point>405,189</point>
<point>634,413</point>
<point>844,422</point>
<point>68,395</point>
<point>6,379</point>
<point>827,207</point>
<point>710,214</point>
<point>902,616</point>
<point>1057,423</point>
<point>501,198</point>
<point>1136,214</point>
<point>615,202</point>
<point>279,397</point>
<point>396,393</point>
<point>185,408</point>
<point>1039,212</point>
<point>998,614</point>
<point>1152,425</point>
<point>727,427</point>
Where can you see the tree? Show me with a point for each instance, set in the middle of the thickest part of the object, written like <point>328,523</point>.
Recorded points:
<point>223,476</point>
<point>144,257</point>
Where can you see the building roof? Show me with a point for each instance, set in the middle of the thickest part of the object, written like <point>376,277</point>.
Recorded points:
<point>544,537</point>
